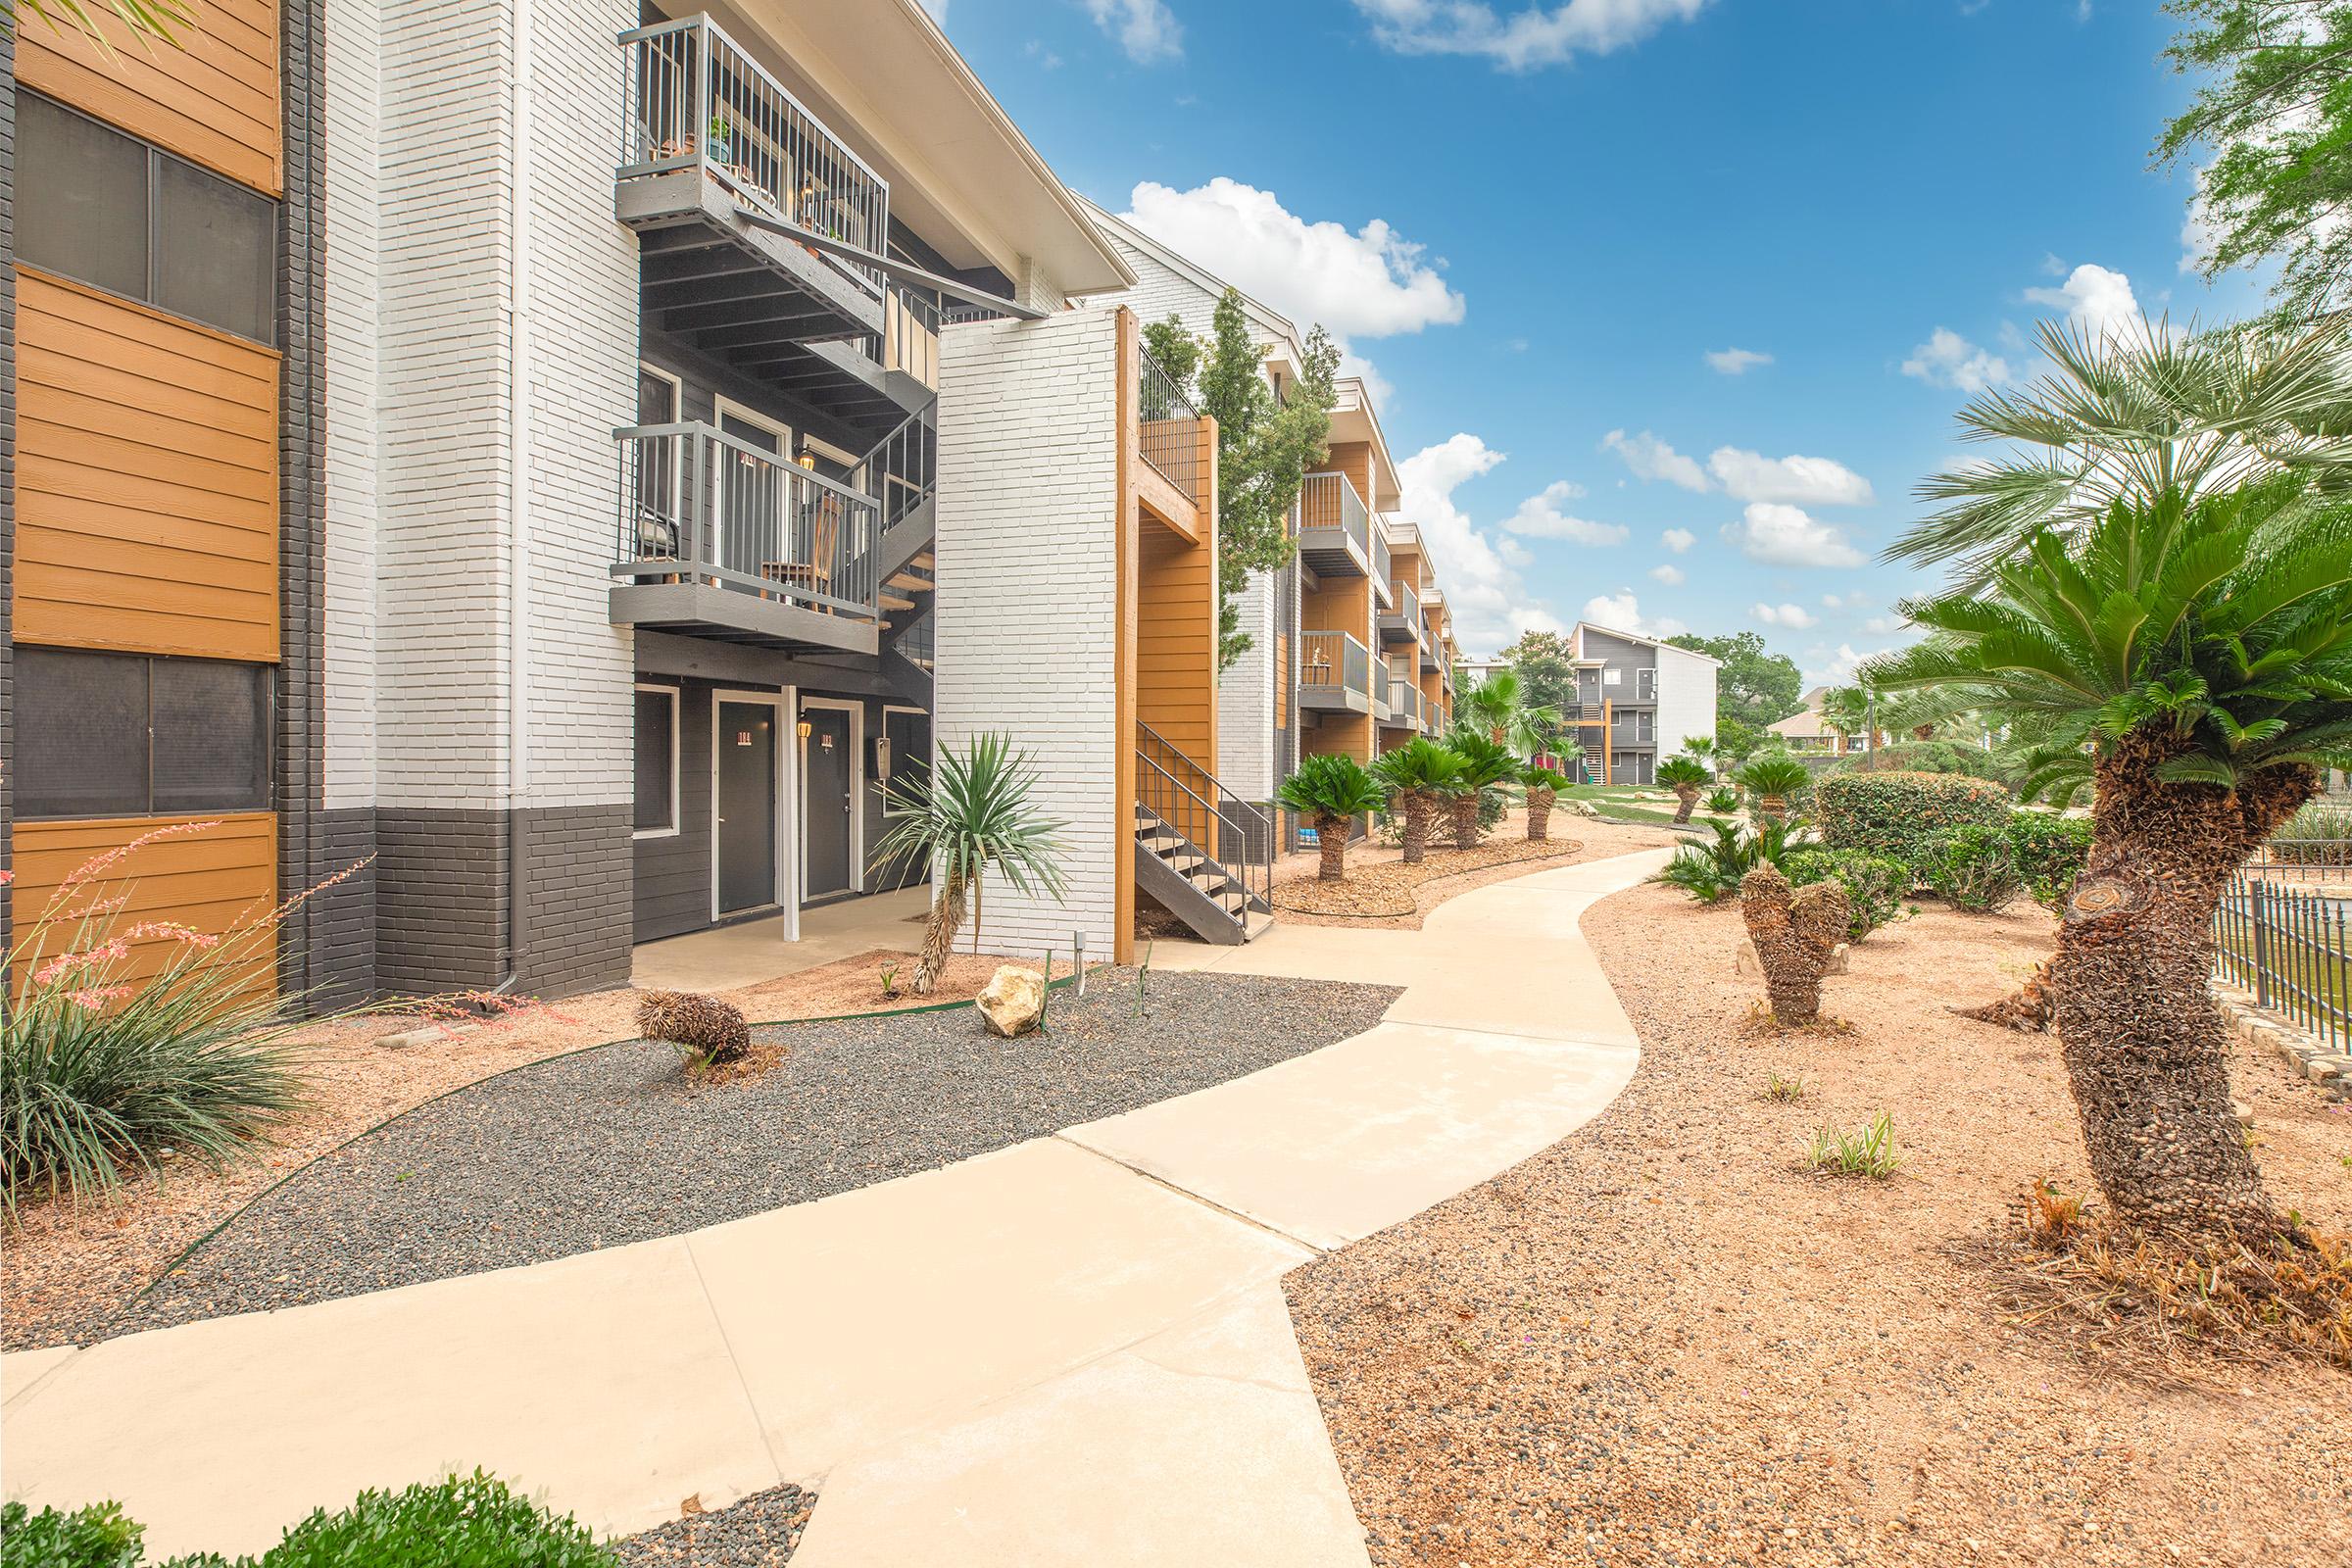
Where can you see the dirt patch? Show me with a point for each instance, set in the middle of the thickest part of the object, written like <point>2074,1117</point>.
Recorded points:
<point>1382,892</point>
<point>65,1264</point>
<point>1663,1342</point>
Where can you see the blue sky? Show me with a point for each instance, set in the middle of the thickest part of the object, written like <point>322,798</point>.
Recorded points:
<point>1537,223</point>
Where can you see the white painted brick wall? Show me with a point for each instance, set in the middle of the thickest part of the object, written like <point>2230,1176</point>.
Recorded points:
<point>354,38</point>
<point>1246,699</point>
<point>1685,699</point>
<point>1028,570</point>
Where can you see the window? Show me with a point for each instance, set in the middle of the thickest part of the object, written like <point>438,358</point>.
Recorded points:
<point>126,735</point>
<point>1612,678</point>
<point>657,762</point>
<point>111,211</point>
<point>1645,685</point>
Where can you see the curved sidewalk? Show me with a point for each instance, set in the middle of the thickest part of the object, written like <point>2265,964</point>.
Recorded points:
<point>1074,1350</point>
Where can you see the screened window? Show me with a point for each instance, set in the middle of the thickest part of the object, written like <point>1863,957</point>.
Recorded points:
<point>111,210</point>
<point>126,735</point>
<point>657,761</point>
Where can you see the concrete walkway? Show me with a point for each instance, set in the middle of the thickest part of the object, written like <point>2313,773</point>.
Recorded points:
<point>749,951</point>
<point>1074,1350</point>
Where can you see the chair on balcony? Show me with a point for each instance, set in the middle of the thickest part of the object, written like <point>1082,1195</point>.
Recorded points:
<point>815,575</point>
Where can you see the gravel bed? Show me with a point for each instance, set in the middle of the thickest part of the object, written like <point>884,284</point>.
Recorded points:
<point>617,1145</point>
<point>758,1532</point>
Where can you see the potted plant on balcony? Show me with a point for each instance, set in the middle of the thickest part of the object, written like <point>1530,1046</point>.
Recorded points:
<point>718,146</point>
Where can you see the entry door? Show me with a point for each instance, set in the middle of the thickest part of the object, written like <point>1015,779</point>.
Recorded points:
<point>910,770</point>
<point>747,807</point>
<point>829,803</point>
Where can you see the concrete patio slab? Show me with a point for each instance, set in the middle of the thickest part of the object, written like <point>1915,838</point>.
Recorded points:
<point>1200,1445</point>
<point>751,950</point>
<point>601,1383</point>
<point>859,1318</point>
<point>1333,1145</point>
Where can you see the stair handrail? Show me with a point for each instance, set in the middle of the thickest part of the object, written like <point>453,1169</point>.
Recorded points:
<point>1253,869</point>
<point>921,477</point>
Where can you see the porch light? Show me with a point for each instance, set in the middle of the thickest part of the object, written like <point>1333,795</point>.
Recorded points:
<point>806,729</point>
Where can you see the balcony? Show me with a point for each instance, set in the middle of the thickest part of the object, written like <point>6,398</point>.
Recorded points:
<point>1169,431</point>
<point>720,538</point>
<point>1334,528</point>
<point>1402,623</point>
<point>1335,673</point>
<point>1405,704</point>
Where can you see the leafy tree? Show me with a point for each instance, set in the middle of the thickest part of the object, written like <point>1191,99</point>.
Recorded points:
<point>970,811</point>
<point>1265,447</point>
<point>2189,662</point>
<point>1540,659</point>
<point>1331,791</point>
<point>1756,686</point>
<point>1736,740</point>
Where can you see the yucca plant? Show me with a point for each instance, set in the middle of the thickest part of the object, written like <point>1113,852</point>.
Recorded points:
<point>1331,791</point>
<point>2189,662</point>
<point>1485,765</point>
<point>1543,785</point>
<point>1686,776</point>
<point>1417,775</point>
<point>1769,781</point>
<point>970,814</point>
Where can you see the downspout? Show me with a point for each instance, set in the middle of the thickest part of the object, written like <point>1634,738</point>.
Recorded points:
<point>519,494</point>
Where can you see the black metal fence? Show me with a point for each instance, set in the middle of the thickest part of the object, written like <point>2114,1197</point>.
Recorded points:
<point>1170,433</point>
<point>2285,942</point>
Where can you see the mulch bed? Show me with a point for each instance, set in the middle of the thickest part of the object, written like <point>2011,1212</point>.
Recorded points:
<point>617,1145</point>
<point>758,1532</point>
<point>1385,888</point>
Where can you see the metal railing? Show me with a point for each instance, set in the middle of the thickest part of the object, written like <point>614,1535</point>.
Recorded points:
<point>1384,572</point>
<point>910,339</point>
<point>2288,947</point>
<point>2305,859</point>
<point>1404,701</point>
<point>914,643</point>
<point>1171,429</point>
<point>692,98</point>
<point>900,471</point>
<point>1334,659</point>
<point>1237,836</point>
<point>1330,500</point>
<point>1408,603</point>
<point>699,504</point>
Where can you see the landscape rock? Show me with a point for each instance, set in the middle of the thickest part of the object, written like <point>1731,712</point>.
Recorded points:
<point>1013,1001</point>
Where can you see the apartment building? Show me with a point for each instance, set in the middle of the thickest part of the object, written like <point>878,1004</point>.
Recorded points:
<point>401,476</point>
<point>1637,700</point>
<point>1346,581</point>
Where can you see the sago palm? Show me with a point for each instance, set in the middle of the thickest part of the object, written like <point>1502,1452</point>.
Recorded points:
<point>972,814</point>
<point>2190,662</point>
<point>1416,776</point>
<point>1543,787</point>
<point>1331,791</point>
<point>1485,765</point>
<point>1770,780</point>
<point>1686,776</point>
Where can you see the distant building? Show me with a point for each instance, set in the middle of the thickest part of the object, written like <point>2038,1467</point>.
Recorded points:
<point>1810,734</point>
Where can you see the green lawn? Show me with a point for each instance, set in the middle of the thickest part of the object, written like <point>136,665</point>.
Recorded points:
<point>1631,802</point>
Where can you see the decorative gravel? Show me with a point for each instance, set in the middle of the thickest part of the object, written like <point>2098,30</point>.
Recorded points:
<point>760,1532</point>
<point>618,1145</point>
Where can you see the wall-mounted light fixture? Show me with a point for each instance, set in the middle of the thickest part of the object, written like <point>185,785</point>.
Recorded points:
<point>806,729</point>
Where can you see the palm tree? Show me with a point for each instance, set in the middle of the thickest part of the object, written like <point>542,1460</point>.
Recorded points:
<point>1497,707</point>
<point>2133,415</point>
<point>972,813</point>
<point>1770,780</point>
<point>2189,661</point>
<point>1543,785</point>
<point>1416,774</point>
<point>1847,711</point>
<point>1485,765</point>
<point>1331,791</point>
<point>1686,776</point>
<point>1702,750</point>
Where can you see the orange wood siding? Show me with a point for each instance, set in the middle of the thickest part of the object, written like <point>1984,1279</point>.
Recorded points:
<point>1338,735</point>
<point>1176,645</point>
<point>1354,460</point>
<point>1282,681</point>
<point>213,99</point>
<point>147,474</point>
<point>1339,603</point>
<point>209,879</point>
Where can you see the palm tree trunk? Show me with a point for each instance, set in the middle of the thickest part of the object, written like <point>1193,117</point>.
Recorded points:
<point>1331,838</point>
<point>1465,821</point>
<point>2137,1026</point>
<point>939,935</point>
<point>1688,795</point>
<point>1416,806</point>
<point>1539,815</point>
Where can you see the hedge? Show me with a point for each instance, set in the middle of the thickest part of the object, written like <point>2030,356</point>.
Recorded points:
<point>1900,816</point>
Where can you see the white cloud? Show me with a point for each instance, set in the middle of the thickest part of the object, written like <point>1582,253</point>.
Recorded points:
<point>1652,458</point>
<point>1780,535</point>
<point>1736,362</point>
<point>2094,298</point>
<point>1145,28</point>
<point>1799,480</point>
<point>1371,282</point>
<point>1828,667</point>
<point>1483,592</point>
<point>1622,611</point>
<point>1540,517</point>
<point>1677,540</point>
<point>1946,359</point>
<point>1885,625</point>
<point>1796,616</point>
<point>1669,573</point>
<point>1530,38</point>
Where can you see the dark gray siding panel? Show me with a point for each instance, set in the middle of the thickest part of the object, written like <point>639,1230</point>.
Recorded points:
<point>673,873</point>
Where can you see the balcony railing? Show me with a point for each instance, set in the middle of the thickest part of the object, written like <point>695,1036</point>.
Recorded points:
<point>1333,661</point>
<point>1328,504</point>
<point>902,472</point>
<point>694,99</point>
<point>1380,688</point>
<point>700,505</point>
<point>1404,701</point>
<point>1408,605</point>
<point>1382,573</point>
<point>1171,429</point>
<point>910,340</point>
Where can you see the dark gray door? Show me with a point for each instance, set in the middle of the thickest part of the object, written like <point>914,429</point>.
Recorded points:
<point>910,770</point>
<point>826,799</point>
<point>747,805</point>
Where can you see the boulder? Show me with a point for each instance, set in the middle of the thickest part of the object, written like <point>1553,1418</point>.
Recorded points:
<point>1013,1001</point>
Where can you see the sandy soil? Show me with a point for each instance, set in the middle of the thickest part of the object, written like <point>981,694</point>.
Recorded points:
<point>1591,840</point>
<point>1663,1342</point>
<point>62,1260</point>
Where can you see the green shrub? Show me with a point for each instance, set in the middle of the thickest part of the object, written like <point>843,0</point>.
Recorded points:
<point>96,1537</point>
<point>1937,756</point>
<point>2050,851</point>
<point>2320,834</point>
<point>1723,800</point>
<point>1973,867</point>
<point>1900,815</point>
<point>1875,885</point>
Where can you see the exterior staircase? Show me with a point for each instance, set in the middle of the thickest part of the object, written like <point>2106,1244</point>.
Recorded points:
<point>1206,856</point>
<point>902,473</point>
